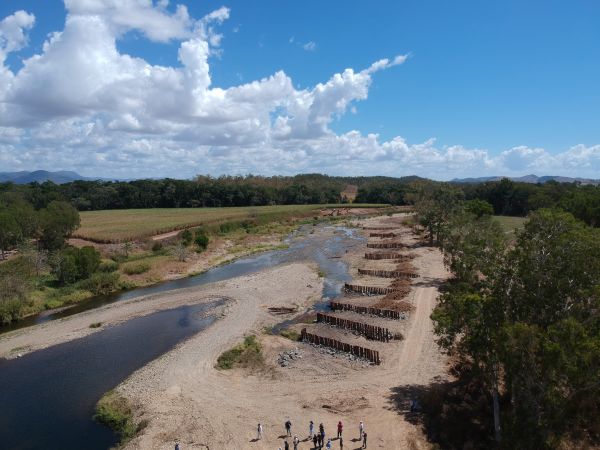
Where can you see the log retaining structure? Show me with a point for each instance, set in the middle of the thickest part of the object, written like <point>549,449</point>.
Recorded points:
<point>387,273</point>
<point>356,350</point>
<point>379,228</point>
<point>383,255</point>
<point>368,290</point>
<point>369,331</point>
<point>385,245</point>
<point>382,235</point>
<point>379,312</point>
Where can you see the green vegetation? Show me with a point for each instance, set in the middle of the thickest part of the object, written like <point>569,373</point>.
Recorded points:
<point>510,225</point>
<point>290,334</point>
<point>136,268</point>
<point>522,322</point>
<point>96,325</point>
<point>246,354</point>
<point>201,240</point>
<point>114,411</point>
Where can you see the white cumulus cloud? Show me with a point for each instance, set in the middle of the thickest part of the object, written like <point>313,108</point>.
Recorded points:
<point>82,104</point>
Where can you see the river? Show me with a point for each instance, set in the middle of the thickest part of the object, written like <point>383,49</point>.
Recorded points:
<point>47,397</point>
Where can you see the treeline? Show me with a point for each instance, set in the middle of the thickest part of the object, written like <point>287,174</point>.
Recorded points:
<point>509,198</point>
<point>204,191</point>
<point>522,321</point>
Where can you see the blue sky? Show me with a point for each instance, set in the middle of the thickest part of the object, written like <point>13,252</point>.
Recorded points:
<point>487,88</point>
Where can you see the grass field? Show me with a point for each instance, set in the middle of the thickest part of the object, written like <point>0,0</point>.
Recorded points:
<point>510,224</point>
<point>131,224</point>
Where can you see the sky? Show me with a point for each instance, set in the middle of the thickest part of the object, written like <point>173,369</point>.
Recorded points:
<point>143,88</point>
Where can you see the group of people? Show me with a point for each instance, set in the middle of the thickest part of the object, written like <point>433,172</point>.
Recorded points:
<point>317,438</point>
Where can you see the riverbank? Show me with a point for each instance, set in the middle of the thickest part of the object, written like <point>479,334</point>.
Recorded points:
<point>151,262</point>
<point>274,283</point>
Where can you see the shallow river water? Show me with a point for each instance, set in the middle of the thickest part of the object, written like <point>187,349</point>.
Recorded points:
<point>47,397</point>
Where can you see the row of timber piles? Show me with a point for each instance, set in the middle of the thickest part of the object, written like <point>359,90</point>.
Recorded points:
<point>359,323</point>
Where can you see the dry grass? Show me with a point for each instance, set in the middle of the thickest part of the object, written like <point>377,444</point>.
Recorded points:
<point>114,226</point>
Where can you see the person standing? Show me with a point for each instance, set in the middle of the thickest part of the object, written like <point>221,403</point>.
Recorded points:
<point>328,446</point>
<point>296,441</point>
<point>286,446</point>
<point>340,428</point>
<point>361,429</point>
<point>177,446</point>
<point>311,429</point>
<point>315,440</point>
<point>288,427</point>
<point>260,431</point>
<point>364,439</point>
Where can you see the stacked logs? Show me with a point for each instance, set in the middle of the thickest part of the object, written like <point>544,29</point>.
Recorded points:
<point>387,273</point>
<point>368,290</point>
<point>379,228</point>
<point>369,331</point>
<point>387,313</point>
<point>376,256</point>
<point>382,235</point>
<point>356,350</point>
<point>385,245</point>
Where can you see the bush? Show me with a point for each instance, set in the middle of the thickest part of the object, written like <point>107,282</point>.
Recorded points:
<point>186,237</point>
<point>157,246</point>
<point>114,411</point>
<point>108,266</point>
<point>201,240</point>
<point>292,335</point>
<point>101,283</point>
<point>137,268</point>
<point>247,354</point>
<point>73,264</point>
<point>10,310</point>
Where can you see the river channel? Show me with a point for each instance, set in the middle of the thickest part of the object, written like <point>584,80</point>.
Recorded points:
<point>47,397</point>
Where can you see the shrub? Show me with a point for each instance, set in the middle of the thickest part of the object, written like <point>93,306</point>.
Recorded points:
<point>108,266</point>
<point>96,325</point>
<point>137,268</point>
<point>201,240</point>
<point>247,354</point>
<point>186,237</point>
<point>157,246</point>
<point>101,283</point>
<point>115,412</point>
<point>10,309</point>
<point>292,335</point>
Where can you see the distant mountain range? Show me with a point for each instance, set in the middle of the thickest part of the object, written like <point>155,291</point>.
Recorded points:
<point>529,179</point>
<point>59,177</point>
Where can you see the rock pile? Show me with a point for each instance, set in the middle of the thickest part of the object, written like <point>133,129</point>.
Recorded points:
<point>287,356</point>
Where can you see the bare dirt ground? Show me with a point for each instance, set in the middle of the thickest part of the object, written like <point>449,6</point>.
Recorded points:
<point>184,397</point>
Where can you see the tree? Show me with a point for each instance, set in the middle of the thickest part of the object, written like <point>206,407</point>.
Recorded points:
<point>73,264</point>
<point>479,208</point>
<point>58,220</point>
<point>10,231</point>
<point>434,204</point>
<point>201,240</point>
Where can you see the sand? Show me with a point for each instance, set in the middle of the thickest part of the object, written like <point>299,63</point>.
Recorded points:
<point>182,396</point>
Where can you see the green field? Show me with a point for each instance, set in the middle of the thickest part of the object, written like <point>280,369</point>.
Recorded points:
<point>510,224</point>
<point>130,224</point>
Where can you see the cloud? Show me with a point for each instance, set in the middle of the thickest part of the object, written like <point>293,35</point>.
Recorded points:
<point>13,30</point>
<point>82,104</point>
<point>310,46</point>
